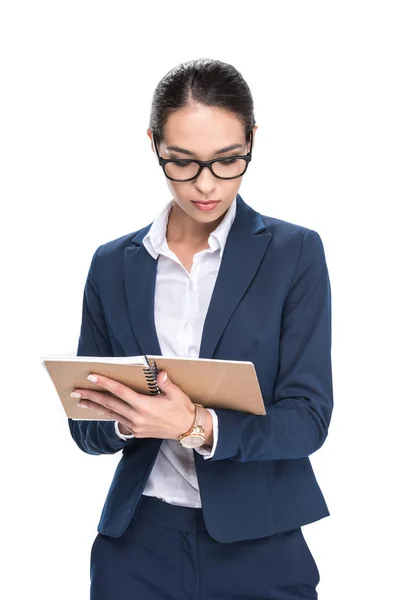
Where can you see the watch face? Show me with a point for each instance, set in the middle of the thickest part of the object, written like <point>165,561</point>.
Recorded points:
<point>193,441</point>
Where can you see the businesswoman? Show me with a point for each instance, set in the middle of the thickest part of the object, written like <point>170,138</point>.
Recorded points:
<point>208,503</point>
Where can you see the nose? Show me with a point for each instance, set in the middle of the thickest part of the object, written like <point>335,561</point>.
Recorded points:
<point>205,181</point>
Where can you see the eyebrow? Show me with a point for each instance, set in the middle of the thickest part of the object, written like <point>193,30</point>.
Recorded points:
<point>226,149</point>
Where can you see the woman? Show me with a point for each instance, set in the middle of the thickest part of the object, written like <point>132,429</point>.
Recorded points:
<point>214,512</point>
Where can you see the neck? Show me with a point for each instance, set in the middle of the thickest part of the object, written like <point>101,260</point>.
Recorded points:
<point>185,231</point>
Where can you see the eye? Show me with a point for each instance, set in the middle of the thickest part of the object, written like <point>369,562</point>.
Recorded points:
<point>181,164</point>
<point>228,161</point>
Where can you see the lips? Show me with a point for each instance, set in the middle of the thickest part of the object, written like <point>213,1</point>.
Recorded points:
<point>208,206</point>
<point>205,201</point>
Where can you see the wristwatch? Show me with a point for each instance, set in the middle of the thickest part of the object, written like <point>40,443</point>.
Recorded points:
<point>196,436</point>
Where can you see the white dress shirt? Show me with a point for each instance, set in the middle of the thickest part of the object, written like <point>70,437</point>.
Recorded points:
<point>180,307</point>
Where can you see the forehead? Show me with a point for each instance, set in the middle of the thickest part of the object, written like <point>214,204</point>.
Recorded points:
<point>203,130</point>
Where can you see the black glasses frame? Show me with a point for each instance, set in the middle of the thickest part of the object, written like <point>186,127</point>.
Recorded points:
<point>204,163</point>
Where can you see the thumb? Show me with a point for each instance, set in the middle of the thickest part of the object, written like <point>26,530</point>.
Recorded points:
<point>164,385</point>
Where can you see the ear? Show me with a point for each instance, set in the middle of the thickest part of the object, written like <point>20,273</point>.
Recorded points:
<point>254,136</point>
<point>150,134</point>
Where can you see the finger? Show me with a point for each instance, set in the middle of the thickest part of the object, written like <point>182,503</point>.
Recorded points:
<point>116,388</point>
<point>99,408</point>
<point>107,401</point>
<point>102,410</point>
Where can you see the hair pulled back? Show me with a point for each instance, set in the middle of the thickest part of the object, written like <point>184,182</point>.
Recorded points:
<point>203,81</point>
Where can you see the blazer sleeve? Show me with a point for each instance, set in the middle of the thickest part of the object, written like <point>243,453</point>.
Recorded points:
<point>296,424</point>
<point>95,437</point>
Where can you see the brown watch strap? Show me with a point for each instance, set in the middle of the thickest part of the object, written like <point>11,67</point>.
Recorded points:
<point>200,419</point>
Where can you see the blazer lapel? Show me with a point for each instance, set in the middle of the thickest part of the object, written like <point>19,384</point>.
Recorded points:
<point>140,270</point>
<point>245,247</point>
<point>246,244</point>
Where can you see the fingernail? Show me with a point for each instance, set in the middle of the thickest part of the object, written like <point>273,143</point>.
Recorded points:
<point>76,395</point>
<point>82,405</point>
<point>92,378</point>
<point>164,378</point>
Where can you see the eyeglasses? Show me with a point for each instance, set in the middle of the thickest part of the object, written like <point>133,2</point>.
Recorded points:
<point>188,169</point>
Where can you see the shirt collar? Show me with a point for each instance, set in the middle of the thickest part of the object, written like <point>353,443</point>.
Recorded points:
<point>155,241</point>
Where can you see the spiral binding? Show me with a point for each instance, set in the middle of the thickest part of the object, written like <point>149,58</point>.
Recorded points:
<point>150,373</point>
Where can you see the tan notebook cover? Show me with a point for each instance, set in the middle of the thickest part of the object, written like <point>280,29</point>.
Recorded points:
<point>210,382</point>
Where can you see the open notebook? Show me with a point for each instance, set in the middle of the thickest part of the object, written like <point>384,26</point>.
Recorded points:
<point>213,383</point>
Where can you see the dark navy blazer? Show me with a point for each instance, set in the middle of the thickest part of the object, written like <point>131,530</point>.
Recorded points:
<point>271,305</point>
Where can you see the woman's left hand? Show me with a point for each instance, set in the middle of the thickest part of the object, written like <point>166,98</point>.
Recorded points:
<point>164,416</point>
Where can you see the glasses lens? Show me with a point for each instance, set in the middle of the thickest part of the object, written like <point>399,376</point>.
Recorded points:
<point>229,167</point>
<point>181,170</point>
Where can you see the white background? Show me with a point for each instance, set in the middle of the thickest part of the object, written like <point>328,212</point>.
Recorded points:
<point>77,80</point>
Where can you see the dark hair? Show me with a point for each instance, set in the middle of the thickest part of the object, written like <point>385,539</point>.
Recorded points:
<point>205,81</point>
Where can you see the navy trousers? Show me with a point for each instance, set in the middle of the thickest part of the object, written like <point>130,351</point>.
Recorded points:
<point>167,554</point>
